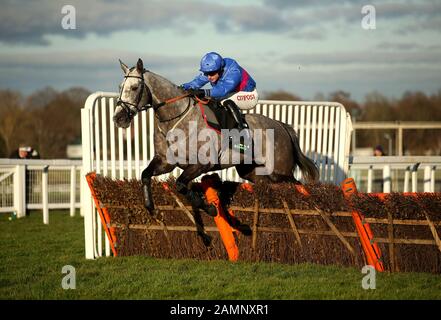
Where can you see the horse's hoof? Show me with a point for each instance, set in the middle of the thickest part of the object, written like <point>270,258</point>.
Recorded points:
<point>155,215</point>
<point>151,211</point>
<point>149,207</point>
<point>244,229</point>
<point>206,239</point>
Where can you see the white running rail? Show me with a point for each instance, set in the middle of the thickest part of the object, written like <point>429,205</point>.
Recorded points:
<point>39,184</point>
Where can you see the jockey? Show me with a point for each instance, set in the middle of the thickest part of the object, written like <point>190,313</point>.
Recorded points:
<point>231,84</point>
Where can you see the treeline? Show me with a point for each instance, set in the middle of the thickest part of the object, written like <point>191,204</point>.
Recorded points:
<point>49,121</point>
<point>46,120</point>
<point>412,106</point>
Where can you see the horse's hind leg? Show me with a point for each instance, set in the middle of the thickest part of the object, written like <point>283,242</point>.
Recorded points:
<point>248,172</point>
<point>156,167</point>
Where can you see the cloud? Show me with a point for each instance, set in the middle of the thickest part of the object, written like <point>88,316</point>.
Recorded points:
<point>31,22</point>
<point>314,33</point>
<point>398,45</point>
<point>366,58</point>
<point>37,21</point>
<point>390,80</point>
<point>417,9</point>
<point>95,70</point>
<point>431,23</point>
<point>91,59</point>
<point>417,15</point>
<point>356,72</point>
<point>307,3</point>
<point>391,8</point>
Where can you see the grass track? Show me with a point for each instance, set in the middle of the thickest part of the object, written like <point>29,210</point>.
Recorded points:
<point>32,256</point>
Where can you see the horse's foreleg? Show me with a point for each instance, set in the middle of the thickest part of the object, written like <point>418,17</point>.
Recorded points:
<point>156,167</point>
<point>190,173</point>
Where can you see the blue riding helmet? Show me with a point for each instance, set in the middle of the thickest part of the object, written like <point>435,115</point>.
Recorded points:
<point>212,61</point>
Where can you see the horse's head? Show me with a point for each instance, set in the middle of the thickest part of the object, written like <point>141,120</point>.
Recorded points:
<point>134,95</point>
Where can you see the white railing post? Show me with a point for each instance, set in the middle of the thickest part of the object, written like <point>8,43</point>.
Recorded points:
<point>415,177</point>
<point>369,179</point>
<point>386,179</point>
<point>405,166</point>
<point>86,199</point>
<point>406,179</point>
<point>83,191</point>
<point>73,183</point>
<point>20,191</point>
<point>427,179</point>
<point>44,194</point>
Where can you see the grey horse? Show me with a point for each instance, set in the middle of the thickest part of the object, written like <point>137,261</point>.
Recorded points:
<point>175,110</point>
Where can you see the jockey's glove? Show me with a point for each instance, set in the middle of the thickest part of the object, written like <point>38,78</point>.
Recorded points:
<point>200,93</point>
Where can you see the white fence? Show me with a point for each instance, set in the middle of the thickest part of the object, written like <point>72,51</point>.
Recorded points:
<point>372,174</point>
<point>39,184</point>
<point>324,130</point>
<point>396,174</point>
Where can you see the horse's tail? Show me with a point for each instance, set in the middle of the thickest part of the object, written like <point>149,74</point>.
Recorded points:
<point>309,169</point>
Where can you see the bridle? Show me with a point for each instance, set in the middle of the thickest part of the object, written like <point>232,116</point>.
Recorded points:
<point>133,108</point>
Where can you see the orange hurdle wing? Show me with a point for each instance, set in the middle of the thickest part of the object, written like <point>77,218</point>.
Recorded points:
<point>370,248</point>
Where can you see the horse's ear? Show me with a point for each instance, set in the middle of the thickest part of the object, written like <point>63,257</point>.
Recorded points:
<point>140,66</point>
<point>124,67</point>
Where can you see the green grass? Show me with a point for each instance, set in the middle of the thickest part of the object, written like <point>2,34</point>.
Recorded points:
<point>32,256</point>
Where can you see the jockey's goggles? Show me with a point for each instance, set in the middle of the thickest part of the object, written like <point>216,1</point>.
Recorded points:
<point>211,73</point>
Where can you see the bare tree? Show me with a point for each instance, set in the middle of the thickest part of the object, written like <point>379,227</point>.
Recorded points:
<point>41,98</point>
<point>417,106</point>
<point>12,116</point>
<point>345,99</point>
<point>56,125</point>
<point>281,95</point>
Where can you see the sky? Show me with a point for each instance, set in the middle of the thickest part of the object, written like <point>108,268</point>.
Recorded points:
<point>303,47</point>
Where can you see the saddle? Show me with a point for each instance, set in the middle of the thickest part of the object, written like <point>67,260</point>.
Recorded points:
<point>218,117</point>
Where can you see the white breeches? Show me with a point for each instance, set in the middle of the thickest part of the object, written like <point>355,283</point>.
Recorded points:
<point>244,100</point>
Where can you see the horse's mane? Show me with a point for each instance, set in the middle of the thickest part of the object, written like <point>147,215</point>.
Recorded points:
<point>161,87</point>
<point>160,78</point>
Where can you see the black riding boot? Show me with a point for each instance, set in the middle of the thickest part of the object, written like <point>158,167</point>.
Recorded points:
<point>234,110</point>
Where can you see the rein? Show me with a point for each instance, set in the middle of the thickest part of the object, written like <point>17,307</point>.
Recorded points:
<point>175,117</point>
<point>198,100</point>
<point>171,100</point>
